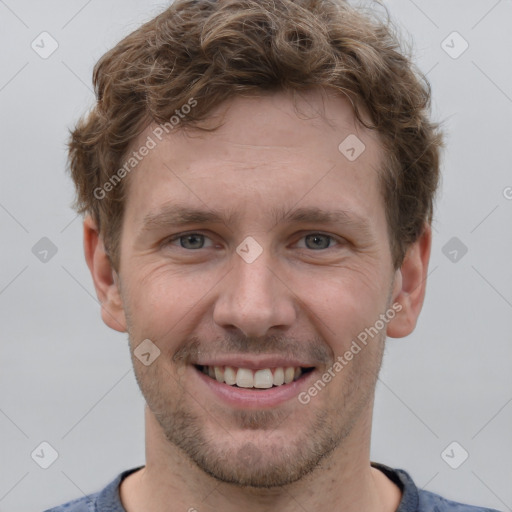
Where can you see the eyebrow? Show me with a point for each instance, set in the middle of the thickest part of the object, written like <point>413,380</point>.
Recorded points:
<point>177,216</point>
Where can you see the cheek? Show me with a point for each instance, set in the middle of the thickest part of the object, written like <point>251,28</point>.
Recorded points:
<point>166,303</point>
<point>163,300</point>
<point>343,305</point>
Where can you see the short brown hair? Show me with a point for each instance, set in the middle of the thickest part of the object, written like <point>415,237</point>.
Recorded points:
<point>211,50</point>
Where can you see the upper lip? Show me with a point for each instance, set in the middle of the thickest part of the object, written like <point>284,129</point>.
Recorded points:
<point>252,363</point>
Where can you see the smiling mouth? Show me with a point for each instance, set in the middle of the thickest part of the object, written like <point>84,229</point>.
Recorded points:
<point>264,378</point>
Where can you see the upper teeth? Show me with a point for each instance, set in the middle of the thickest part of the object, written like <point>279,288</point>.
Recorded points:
<point>247,378</point>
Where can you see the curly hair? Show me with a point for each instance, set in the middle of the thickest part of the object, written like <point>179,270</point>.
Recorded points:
<point>211,50</point>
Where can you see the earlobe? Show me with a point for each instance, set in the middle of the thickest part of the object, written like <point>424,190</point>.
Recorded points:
<point>410,285</point>
<point>104,277</point>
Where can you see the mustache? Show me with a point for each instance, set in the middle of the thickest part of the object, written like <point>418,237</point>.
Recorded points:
<point>314,351</point>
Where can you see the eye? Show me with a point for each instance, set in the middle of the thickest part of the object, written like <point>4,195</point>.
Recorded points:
<point>316,241</point>
<point>190,241</point>
<point>196,241</point>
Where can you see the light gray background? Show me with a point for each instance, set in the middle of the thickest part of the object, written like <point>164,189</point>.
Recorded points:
<point>66,378</point>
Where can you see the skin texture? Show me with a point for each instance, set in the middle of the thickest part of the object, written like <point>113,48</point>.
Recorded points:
<point>303,298</point>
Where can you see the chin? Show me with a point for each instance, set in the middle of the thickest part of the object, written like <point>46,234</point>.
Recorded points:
<point>252,456</point>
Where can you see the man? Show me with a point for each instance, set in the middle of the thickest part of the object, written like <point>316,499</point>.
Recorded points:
<point>258,180</point>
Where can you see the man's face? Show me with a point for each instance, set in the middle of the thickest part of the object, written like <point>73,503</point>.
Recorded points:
<point>295,294</point>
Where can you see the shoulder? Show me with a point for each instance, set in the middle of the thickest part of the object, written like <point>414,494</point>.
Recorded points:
<point>85,504</point>
<point>418,500</point>
<point>106,500</point>
<point>428,501</point>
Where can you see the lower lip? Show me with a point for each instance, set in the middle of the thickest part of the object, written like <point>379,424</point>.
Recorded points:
<point>243,398</point>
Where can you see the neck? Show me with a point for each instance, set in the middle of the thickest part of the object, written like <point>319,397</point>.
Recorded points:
<point>344,481</point>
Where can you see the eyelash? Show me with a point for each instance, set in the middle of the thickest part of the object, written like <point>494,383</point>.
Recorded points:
<point>175,238</point>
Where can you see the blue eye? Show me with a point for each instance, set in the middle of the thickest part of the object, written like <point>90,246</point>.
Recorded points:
<point>190,241</point>
<point>197,241</point>
<point>317,241</point>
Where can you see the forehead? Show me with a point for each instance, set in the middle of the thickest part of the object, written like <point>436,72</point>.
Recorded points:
<point>273,151</point>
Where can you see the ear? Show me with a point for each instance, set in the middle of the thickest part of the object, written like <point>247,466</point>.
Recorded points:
<point>409,286</point>
<point>104,276</point>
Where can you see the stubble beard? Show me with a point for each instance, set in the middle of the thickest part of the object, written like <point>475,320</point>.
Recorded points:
<point>258,462</point>
<point>262,464</point>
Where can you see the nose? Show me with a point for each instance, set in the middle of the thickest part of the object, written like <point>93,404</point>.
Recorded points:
<point>254,298</point>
